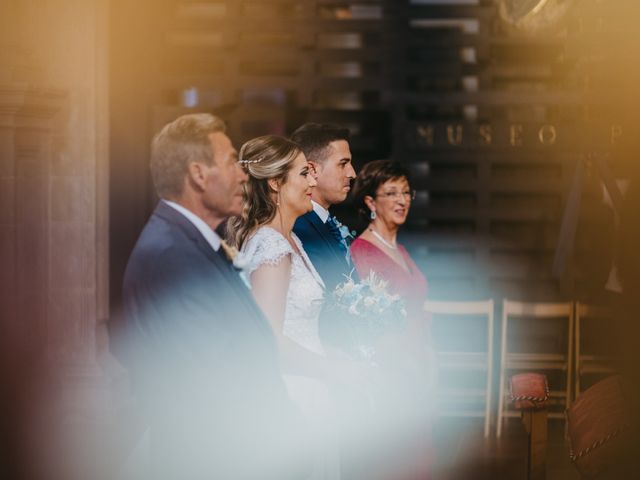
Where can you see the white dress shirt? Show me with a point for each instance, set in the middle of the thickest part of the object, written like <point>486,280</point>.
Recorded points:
<point>322,212</point>
<point>207,232</point>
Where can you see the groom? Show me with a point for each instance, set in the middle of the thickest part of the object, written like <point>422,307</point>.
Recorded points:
<point>202,356</point>
<point>327,150</point>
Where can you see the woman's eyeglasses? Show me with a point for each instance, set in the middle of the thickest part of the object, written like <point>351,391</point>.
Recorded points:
<point>394,195</point>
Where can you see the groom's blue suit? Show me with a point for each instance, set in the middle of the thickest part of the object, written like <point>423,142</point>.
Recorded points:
<point>323,249</point>
<point>203,359</point>
<point>329,260</point>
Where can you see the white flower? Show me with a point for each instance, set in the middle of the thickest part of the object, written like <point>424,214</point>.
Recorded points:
<point>338,292</point>
<point>368,301</point>
<point>345,233</point>
<point>377,285</point>
<point>353,310</point>
<point>348,286</point>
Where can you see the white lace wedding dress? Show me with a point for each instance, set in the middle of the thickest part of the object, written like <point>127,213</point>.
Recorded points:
<point>304,302</point>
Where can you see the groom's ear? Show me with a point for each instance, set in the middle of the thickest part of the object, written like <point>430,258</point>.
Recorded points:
<point>315,167</point>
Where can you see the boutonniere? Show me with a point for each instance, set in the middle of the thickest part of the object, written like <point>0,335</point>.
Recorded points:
<point>234,255</point>
<point>347,235</point>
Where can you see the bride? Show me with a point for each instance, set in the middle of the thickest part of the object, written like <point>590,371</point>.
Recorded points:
<point>285,283</point>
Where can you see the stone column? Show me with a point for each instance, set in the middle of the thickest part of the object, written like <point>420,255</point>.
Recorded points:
<point>27,130</point>
<point>53,173</point>
<point>53,209</point>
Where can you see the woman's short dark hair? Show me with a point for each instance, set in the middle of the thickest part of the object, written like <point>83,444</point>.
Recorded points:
<point>371,176</point>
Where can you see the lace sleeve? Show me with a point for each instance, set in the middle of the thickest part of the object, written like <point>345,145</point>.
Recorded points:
<point>266,246</point>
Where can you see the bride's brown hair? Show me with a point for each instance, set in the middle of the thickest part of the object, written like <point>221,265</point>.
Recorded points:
<point>264,158</point>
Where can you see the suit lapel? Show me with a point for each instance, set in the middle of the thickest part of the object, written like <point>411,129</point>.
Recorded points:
<point>171,215</point>
<point>325,234</point>
<point>241,290</point>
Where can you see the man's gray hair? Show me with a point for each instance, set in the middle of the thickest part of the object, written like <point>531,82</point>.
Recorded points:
<point>179,143</point>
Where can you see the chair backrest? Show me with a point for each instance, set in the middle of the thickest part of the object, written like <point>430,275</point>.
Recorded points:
<point>588,310</point>
<point>537,310</point>
<point>537,357</point>
<point>595,344</point>
<point>465,359</point>
<point>484,308</point>
<point>596,333</point>
<point>481,307</point>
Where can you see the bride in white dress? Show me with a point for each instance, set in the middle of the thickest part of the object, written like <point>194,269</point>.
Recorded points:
<point>286,285</point>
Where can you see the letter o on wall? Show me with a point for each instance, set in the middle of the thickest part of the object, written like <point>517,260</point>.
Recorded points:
<point>548,135</point>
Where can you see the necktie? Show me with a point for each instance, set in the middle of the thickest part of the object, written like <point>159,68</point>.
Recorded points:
<point>335,231</point>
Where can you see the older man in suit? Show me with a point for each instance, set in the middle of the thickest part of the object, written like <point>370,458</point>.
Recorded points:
<point>202,356</point>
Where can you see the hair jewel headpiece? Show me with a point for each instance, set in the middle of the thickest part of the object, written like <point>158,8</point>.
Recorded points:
<point>247,162</point>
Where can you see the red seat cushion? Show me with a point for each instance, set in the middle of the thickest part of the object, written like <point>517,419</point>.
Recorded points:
<point>529,391</point>
<point>596,420</point>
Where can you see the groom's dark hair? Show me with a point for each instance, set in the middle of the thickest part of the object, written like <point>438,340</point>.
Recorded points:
<point>314,138</point>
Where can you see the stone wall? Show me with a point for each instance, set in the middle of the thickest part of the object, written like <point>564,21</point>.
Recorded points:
<point>53,173</point>
<point>53,213</point>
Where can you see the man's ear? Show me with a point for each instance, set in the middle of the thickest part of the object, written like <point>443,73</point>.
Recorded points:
<point>315,168</point>
<point>196,175</point>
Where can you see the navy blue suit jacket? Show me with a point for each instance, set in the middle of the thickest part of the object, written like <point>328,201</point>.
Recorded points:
<point>328,259</point>
<point>203,358</point>
<point>323,249</point>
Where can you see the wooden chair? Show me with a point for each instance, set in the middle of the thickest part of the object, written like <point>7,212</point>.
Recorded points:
<point>530,395</point>
<point>451,361</point>
<point>593,362</point>
<point>531,361</point>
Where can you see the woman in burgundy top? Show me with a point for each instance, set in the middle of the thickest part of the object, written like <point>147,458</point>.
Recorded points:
<point>383,194</point>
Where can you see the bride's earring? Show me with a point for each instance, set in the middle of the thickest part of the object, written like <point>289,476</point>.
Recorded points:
<point>373,215</point>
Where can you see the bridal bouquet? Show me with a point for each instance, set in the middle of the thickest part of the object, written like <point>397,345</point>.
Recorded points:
<point>367,311</point>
